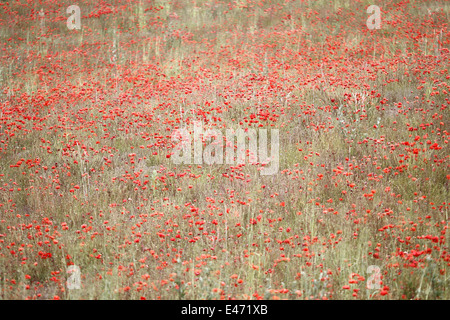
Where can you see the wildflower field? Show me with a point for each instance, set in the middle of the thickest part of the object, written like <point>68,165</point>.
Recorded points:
<point>94,206</point>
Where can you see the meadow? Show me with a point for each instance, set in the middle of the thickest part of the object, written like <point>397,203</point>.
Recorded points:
<point>92,205</point>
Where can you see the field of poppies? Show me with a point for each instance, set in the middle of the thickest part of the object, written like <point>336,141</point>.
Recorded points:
<point>92,205</point>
